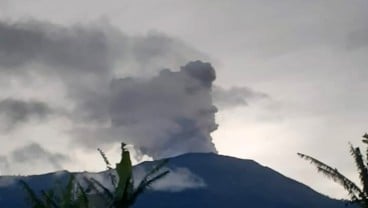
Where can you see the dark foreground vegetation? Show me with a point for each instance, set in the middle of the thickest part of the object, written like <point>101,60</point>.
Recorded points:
<point>358,195</point>
<point>223,182</point>
<point>217,181</point>
<point>91,193</point>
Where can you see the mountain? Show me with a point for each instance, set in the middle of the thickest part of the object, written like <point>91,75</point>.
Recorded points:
<point>232,182</point>
<point>198,180</point>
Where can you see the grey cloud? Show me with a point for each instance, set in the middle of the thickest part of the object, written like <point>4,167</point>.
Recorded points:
<point>85,58</point>
<point>72,48</point>
<point>174,110</point>
<point>166,115</point>
<point>14,111</point>
<point>163,115</point>
<point>4,164</point>
<point>157,50</point>
<point>357,39</point>
<point>235,96</point>
<point>88,49</point>
<point>33,152</point>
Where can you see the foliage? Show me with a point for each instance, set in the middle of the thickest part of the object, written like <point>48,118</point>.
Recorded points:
<point>357,194</point>
<point>70,196</point>
<point>123,195</point>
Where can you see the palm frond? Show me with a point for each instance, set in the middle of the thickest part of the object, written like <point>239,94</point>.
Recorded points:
<point>35,201</point>
<point>365,136</point>
<point>365,140</point>
<point>156,168</point>
<point>362,169</point>
<point>49,198</point>
<point>354,191</point>
<point>152,176</point>
<point>106,195</point>
<point>144,184</point>
<point>106,160</point>
<point>108,167</point>
<point>68,193</point>
<point>153,171</point>
<point>82,198</point>
<point>124,194</point>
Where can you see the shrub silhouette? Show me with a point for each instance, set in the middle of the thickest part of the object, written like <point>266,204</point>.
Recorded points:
<point>124,195</point>
<point>96,194</point>
<point>70,196</point>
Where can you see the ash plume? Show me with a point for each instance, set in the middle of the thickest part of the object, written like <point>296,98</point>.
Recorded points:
<point>169,114</point>
<point>106,87</point>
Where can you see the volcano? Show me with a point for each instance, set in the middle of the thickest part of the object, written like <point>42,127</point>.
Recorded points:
<point>198,180</point>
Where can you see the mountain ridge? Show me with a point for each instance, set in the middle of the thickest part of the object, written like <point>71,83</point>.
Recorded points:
<point>200,180</point>
<point>249,183</point>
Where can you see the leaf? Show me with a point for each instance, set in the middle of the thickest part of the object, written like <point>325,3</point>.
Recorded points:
<point>362,169</point>
<point>354,191</point>
<point>32,196</point>
<point>124,171</point>
<point>108,167</point>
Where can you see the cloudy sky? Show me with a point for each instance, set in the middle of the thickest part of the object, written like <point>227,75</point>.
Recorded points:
<point>274,78</point>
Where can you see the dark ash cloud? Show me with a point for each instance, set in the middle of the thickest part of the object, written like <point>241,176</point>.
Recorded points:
<point>14,112</point>
<point>84,49</point>
<point>34,152</point>
<point>235,96</point>
<point>161,115</point>
<point>4,164</point>
<point>75,48</point>
<point>85,58</point>
<point>166,115</point>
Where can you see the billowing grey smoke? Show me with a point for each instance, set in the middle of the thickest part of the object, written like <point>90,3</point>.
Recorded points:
<point>235,96</point>
<point>35,152</point>
<point>84,50</point>
<point>84,58</point>
<point>13,112</point>
<point>169,114</point>
<point>80,66</point>
<point>31,157</point>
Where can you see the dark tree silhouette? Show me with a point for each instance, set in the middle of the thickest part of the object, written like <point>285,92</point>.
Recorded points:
<point>125,194</point>
<point>358,194</point>
<point>96,195</point>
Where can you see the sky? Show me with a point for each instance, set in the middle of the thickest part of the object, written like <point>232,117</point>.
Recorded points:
<point>254,79</point>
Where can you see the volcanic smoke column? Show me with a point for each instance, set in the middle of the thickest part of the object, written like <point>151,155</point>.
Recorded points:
<point>169,114</point>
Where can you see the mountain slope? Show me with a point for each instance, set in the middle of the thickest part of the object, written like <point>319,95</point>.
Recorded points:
<point>232,182</point>
<point>12,194</point>
<point>199,180</point>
